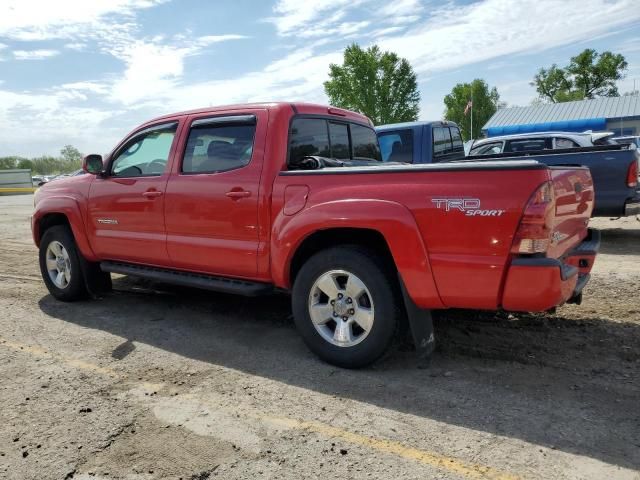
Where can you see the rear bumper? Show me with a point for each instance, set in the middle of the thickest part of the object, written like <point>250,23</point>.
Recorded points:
<point>539,284</point>
<point>632,207</point>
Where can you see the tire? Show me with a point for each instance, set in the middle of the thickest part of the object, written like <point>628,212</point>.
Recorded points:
<point>369,328</point>
<point>58,248</point>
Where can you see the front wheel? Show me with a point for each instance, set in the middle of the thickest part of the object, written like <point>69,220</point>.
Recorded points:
<point>345,306</point>
<point>60,264</point>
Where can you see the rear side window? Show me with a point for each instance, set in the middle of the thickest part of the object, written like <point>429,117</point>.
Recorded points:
<point>456,139</point>
<point>528,145</point>
<point>218,147</point>
<point>441,141</point>
<point>322,138</point>
<point>339,135</point>
<point>397,146</point>
<point>309,136</point>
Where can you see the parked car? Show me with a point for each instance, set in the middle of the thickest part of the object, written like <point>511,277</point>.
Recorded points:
<point>533,142</point>
<point>249,199</point>
<point>628,140</point>
<point>614,167</point>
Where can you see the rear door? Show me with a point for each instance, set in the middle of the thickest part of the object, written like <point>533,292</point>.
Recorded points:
<point>211,210</point>
<point>126,204</point>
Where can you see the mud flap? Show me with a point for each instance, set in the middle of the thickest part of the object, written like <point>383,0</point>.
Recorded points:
<point>96,281</point>
<point>421,325</point>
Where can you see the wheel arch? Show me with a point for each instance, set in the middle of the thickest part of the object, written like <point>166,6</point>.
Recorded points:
<point>387,227</point>
<point>61,211</point>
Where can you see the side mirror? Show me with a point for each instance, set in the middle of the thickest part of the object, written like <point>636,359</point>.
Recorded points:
<point>92,164</point>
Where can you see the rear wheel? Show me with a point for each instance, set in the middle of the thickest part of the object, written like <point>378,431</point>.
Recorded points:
<point>345,306</point>
<point>60,264</point>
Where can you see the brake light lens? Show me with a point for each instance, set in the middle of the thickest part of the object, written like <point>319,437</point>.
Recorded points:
<point>536,226</point>
<point>632,174</point>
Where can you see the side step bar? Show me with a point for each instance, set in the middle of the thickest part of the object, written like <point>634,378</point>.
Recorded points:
<point>187,279</point>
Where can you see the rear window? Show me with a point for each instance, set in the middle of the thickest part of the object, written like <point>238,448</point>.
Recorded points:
<point>528,145</point>
<point>487,149</point>
<point>397,146</point>
<point>339,140</point>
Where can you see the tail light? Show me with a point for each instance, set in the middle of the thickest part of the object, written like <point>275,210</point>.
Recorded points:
<point>632,174</point>
<point>536,226</point>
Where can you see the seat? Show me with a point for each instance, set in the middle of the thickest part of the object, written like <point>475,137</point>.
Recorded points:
<point>400,153</point>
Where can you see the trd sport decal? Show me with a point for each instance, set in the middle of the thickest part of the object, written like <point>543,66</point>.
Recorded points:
<point>469,206</point>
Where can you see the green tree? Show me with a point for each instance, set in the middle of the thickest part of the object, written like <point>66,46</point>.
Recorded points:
<point>589,75</point>
<point>378,84</point>
<point>7,163</point>
<point>25,163</point>
<point>485,103</point>
<point>69,153</point>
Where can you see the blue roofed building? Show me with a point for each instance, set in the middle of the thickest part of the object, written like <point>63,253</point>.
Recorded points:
<point>620,115</point>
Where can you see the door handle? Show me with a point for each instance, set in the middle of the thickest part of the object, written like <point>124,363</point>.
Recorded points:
<point>236,194</point>
<point>152,194</point>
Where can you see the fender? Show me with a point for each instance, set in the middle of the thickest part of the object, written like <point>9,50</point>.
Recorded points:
<point>69,206</point>
<point>393,220</point>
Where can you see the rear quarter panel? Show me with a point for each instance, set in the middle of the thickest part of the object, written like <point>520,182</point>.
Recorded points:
<point>465,255</point>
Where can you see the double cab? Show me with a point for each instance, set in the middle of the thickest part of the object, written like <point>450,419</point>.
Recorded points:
<point>254,198</point>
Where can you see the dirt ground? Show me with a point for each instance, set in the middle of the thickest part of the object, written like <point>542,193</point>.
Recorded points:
<point>154,382</point>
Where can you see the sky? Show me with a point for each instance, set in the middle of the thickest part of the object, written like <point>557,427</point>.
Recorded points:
<point>86,72</point>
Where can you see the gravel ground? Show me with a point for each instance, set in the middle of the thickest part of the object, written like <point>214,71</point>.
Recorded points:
<point>157,382</point>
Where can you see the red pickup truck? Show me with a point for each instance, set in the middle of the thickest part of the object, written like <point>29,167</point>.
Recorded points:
<point>252,198</point>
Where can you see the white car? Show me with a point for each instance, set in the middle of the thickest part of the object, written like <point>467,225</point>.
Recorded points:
<point>531,142</point>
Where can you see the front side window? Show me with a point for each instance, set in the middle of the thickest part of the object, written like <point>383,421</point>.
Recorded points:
<point>145,154</point>
<point>397,146</point>
<point>216,147</point>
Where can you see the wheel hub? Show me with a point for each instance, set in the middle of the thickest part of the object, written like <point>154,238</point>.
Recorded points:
<point>341,308</point>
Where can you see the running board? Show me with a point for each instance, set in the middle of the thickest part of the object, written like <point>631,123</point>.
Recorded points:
<point>188,279</point>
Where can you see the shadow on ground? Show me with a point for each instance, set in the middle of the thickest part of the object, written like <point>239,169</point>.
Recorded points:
<point>549,380</point>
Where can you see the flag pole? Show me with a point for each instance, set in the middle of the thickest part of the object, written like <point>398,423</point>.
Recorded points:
<point>471,132</point>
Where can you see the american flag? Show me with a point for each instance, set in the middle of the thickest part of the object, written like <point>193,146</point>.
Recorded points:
<point>468,107</point>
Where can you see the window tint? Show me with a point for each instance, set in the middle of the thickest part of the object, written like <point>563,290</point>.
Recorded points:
<point>456,138</point>
<point>397,146</point>
<point>146,154</point>
<point>487,149</point>
<point>339,135</point>
<point>308,137</point>
<point>218,148</point>
<point>528,145</point>
<point>365,143</point>
<point>441,141</point>
<point>565,143</point>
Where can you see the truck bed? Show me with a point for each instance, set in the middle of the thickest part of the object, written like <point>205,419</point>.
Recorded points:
<point>609,166</point>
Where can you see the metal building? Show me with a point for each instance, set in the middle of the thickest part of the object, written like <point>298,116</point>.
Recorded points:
<point>620,115</point>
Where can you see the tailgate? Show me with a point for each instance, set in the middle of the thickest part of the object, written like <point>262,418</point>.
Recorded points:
<point>574,194</point>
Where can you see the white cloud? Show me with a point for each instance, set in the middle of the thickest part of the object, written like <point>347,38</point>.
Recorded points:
<point>34,54</point>
<point>307,18</point>
<point>77,46</point>
<point>461,35</point>
<point>44,19</point>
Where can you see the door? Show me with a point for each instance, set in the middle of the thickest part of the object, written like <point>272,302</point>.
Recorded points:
<point>212,198</point>
<point>126,203</point>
